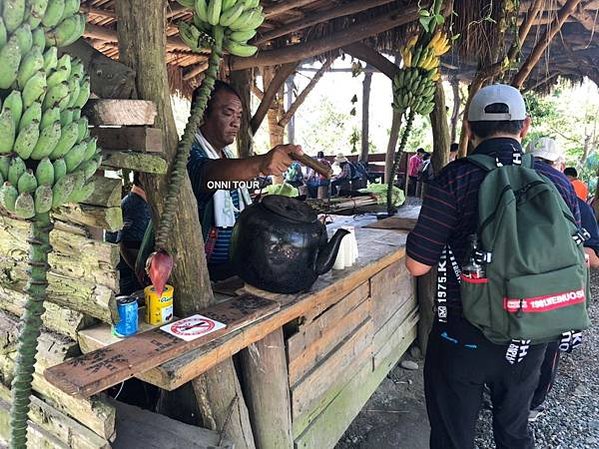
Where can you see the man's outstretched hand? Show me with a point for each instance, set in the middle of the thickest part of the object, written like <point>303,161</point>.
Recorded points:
<point>277,161</point>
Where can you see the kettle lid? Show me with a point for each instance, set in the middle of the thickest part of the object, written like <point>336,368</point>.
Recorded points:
<point>289,208</point>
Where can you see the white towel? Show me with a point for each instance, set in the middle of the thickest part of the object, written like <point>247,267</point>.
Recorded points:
<point>224,209</point>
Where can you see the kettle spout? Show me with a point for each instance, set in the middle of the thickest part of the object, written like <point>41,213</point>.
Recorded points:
<point>328,253</point>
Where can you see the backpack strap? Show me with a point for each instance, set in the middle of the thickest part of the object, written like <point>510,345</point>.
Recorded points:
<point>483,161</point>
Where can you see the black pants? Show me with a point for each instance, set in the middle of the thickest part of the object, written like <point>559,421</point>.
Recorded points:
<point>548,372</point>
<point>454,378</point>
<point>412,182</point>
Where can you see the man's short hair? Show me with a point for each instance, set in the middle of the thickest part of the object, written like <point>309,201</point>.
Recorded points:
<point>219,86</point>
<point>320,154</point>
<point>571,171</point>
<point>486,129</point>
<point>454,147</point>
<point>136,181</point>
<point>420,150</point>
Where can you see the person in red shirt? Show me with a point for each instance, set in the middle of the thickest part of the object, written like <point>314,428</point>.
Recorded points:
<point>581,189</point>
<point>414,165</point>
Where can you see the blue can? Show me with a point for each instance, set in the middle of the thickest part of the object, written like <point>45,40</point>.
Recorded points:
<point>127,309</point>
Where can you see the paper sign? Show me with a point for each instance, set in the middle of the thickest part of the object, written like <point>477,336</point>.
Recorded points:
<point>193,327</point>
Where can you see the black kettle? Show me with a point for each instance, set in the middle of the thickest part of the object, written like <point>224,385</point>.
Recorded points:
<point>278,245</point>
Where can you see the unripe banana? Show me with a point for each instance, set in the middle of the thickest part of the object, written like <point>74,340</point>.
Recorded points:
<point>75,156</point>
<point>242,21</point>
<point>66,117</point>
<point>27,182</point>
<point>8,196</point>
<point>13,14</point>
<point>71,7</point>
<point>38,38</point>
<point>228,4</point>
<point>4,164</point>
<point>7,131</point>
<point>36,14</point>
<point>231,15</point>
<point>61,190</point>
<point>50,59</point>
<point>78,183</point>
<point>15,170</point>
<point>46,142</point>
<point>43,199</point>
<point>83,129</point>
<point>91,149</point>
<point>14,102</point>
<point>68,138</point>
<point>60,169</point>
<point>53,13</point>
<point>214,10</point>
<point>34,89</point>
<point>84,93</point>
<point>10,56</point>
<point>3,34</point>
<point>67,32</point>
<point>242,36</point>
<point>23,35</point>
<point>82,194</point>
<point>26,140</point>
<point>44,173</point>
<point>76,114</point>
<point>242,50</point>
<point>56,95</point>
<point>62,72</point>
<point>33,62</point>
<point>49,117</point>
<point>2,177</point>
<point>24,206</point>
<point>77,69</point>
<point>89,168</point>
<point>202,10</point>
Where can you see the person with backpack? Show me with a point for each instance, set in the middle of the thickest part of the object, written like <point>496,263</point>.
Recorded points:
<point>503,231</point>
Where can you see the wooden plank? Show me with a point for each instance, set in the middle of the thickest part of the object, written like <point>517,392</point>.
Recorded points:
<point>120,112</point>
<point>409,326</point>
<point>94,300</point>
<point>307,392</point>
<point>138,428</point>
<point>406,310</point>
<point>136,138</point>
<point>108,192</point>
<point>330,425</point>
<point>54,424</point>
<point>332,335</point>
<point>72,255</point>
<point>317,321</point>
<point>377,249</point>
<point>154,163</point>
<point>399,223</point>
<point>264,377</point>
<point>109,218</point>
<point>98,370</point>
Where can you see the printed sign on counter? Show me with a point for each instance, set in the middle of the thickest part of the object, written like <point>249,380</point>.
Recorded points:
<point>193,327</point>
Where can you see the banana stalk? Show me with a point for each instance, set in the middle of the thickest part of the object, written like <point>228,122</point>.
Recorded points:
<point>180,162</point>
<point>39,247</point>
<point>402,144</point>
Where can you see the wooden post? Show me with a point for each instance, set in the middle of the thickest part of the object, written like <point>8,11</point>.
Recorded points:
<point>290,86</point>
<point>266,387</point>
<point>142,43</point>
<point>366,84</point>
<point>426,287</point>
<point>242,81</point>
<point>440,127</point>
<point>455,115</point>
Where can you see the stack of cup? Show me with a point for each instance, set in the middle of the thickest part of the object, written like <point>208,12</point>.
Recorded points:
<point>348,251</point>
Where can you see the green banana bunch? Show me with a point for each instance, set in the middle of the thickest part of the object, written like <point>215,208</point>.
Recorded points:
<point>196,40</point>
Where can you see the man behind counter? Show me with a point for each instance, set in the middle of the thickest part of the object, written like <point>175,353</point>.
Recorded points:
<point>212,161</point>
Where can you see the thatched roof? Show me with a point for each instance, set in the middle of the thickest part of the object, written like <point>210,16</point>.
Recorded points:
<point>304,29</point>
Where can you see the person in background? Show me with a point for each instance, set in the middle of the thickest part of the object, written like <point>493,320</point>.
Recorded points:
<point>294,175</point>
<point>212,160</point>
<point>454,149</point>
<point>318,185</point>
<point>414,165</point>
<point>344,177</point>
<point>547,151</point>
<point>581,189</point>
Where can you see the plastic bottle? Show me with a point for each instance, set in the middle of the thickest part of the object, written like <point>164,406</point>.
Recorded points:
<point>472,269</point>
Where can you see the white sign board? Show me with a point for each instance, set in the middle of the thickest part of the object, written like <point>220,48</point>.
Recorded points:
<point>193,327</point>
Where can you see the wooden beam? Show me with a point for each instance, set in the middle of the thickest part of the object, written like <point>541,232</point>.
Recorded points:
<point>98,11</point>
<point>154,163</point>
<point>276,83</point>
<point>120,112</point>
<point>257,92</point>
<point>319,17</point>
<point>370,56</point>
<point>544,42</point>
<point>137,138</point>
<point>584,17</point>
<point>351,34</point>
<point>195,71</point>
<point>304,94</point>
<point>282,7</point>
<point>110,35</point>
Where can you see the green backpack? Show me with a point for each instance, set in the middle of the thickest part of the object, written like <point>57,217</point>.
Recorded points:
<point>536,282</point>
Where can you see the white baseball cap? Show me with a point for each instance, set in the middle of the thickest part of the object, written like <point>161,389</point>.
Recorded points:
<point>546,148</point>
<point>497,93</point>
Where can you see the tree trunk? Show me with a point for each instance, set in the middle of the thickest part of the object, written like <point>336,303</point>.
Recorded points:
<point>242,81</point>
<point>393,137</point>
<point>290,86</point>
<point>475,86</point>
<point>365,115</point>
<point>440,127</point>
<point>276,132</point>
<point>142,41</point>
<point>455,85</point>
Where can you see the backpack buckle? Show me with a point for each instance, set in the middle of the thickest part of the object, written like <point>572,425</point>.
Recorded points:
<point>517,158</point>
<point>581,236</point>
<point>483,257</point>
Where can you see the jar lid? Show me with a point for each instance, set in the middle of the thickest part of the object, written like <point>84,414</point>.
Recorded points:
<point>289,208</point>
